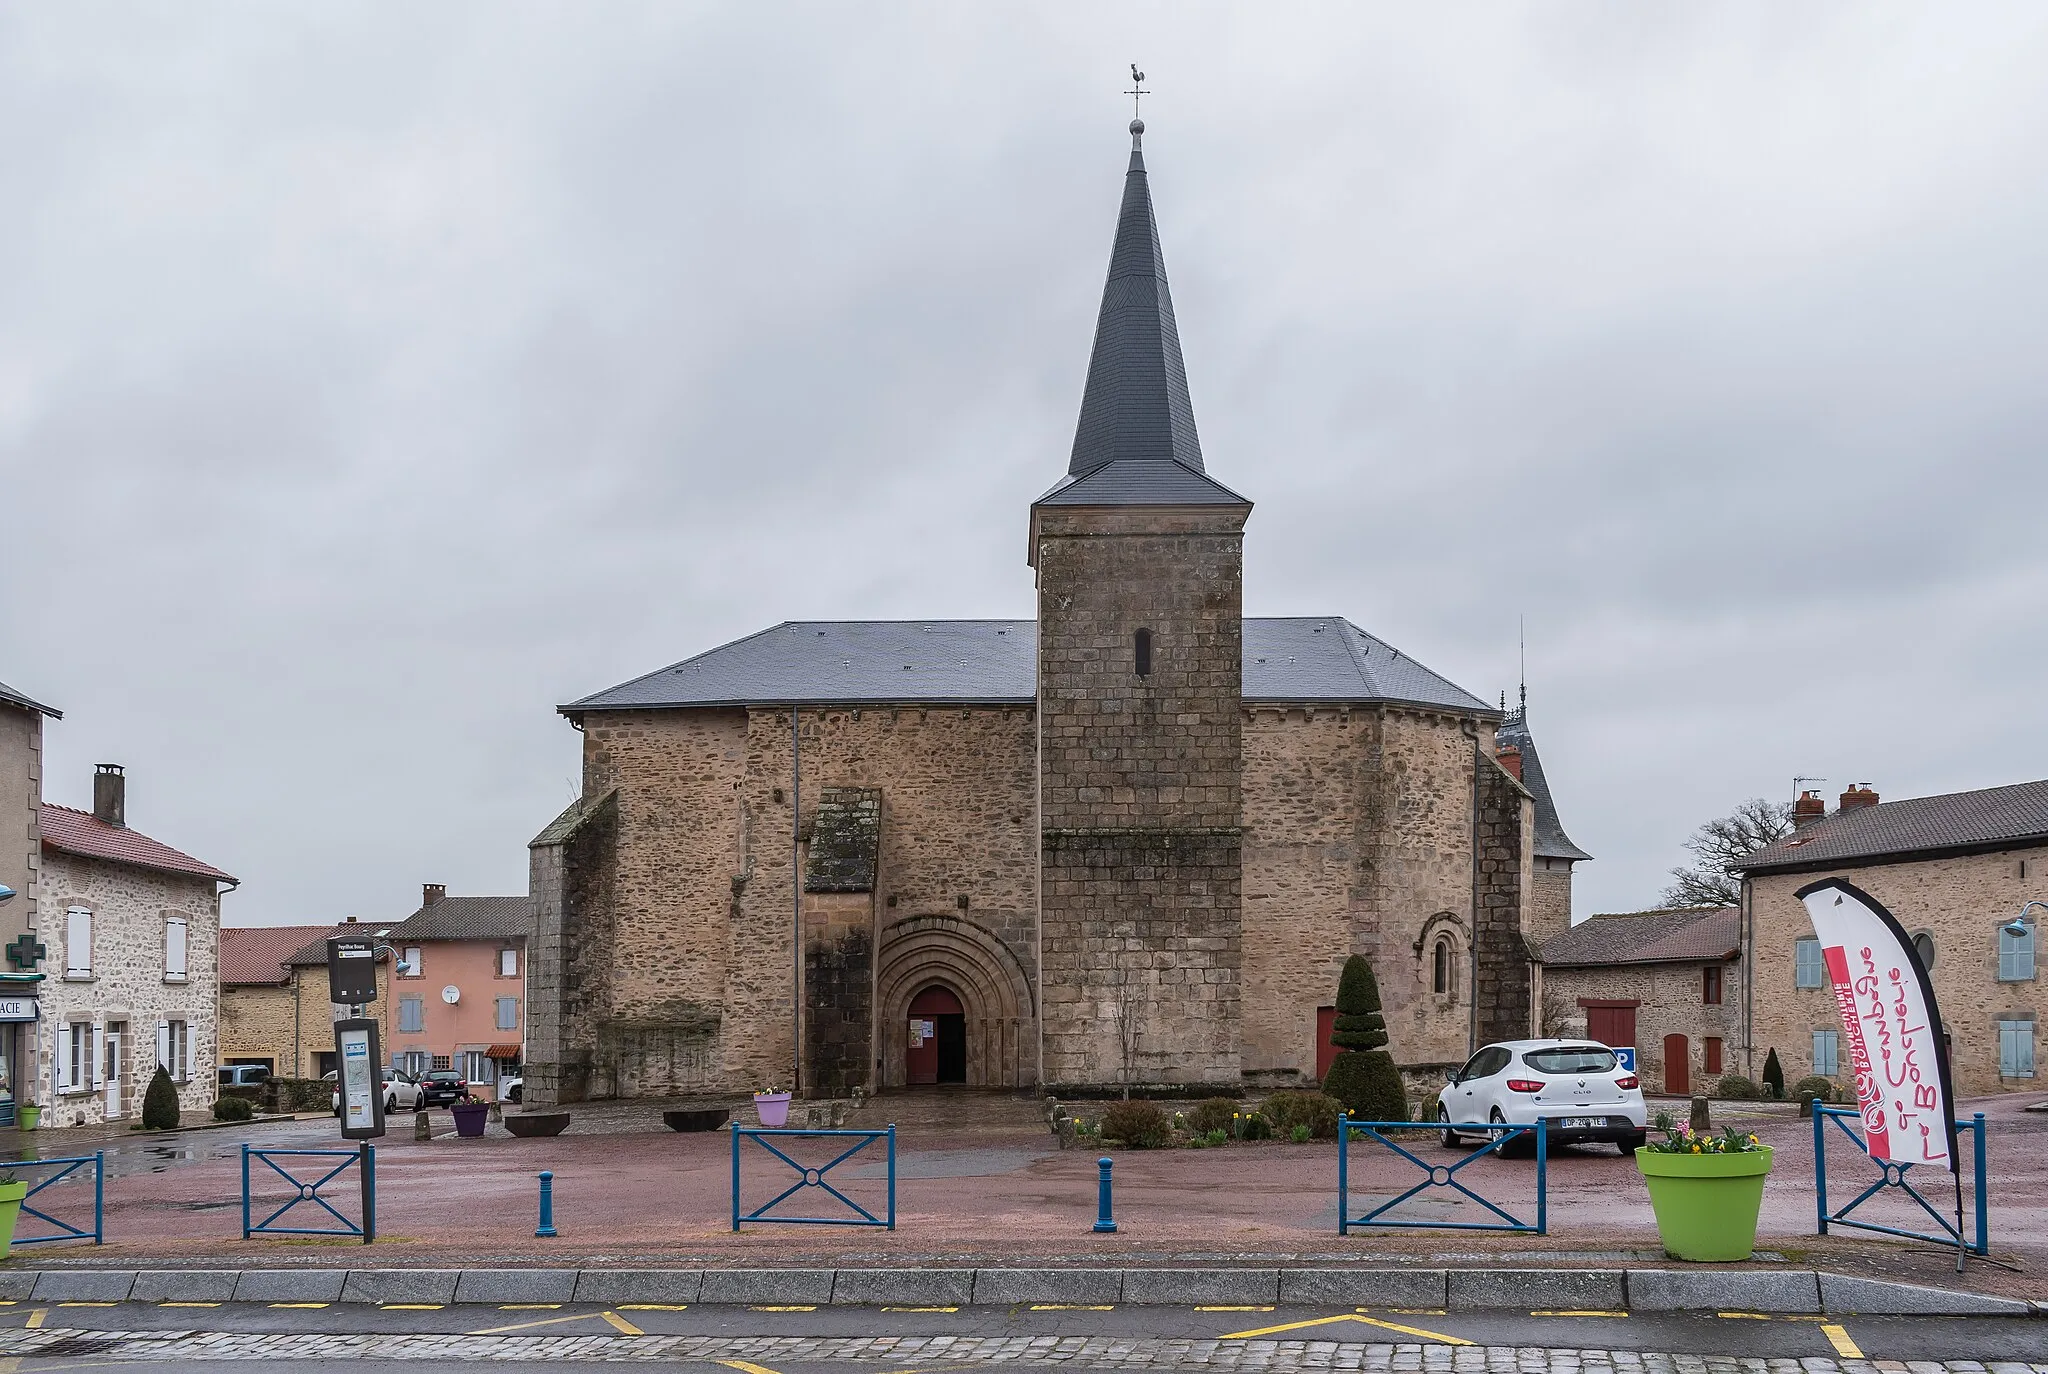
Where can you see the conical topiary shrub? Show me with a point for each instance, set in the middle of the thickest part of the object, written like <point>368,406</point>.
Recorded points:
<point>1774,1076</point>
<point>1363,1077</point>
<point>160,1103</point>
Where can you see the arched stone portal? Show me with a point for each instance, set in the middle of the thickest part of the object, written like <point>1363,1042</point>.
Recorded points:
<point>972,964</point>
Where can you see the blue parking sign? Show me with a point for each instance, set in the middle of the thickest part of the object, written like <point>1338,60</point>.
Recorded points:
<point>1627,1056</point>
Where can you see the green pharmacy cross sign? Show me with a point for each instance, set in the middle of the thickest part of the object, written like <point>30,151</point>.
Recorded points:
<point>26,952</point>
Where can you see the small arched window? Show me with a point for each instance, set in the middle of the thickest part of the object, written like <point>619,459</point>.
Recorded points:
<point>1923,946</point>
<point>1440,968</point>
<point>1141,642</point>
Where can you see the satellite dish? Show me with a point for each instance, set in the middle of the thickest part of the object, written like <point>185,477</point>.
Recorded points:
<point>451,994</point>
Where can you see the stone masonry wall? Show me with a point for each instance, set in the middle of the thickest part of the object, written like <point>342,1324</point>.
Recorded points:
<point>316,1015</point>
<point>1958,902</point>
<point>1139,793</point>
<point>1357,840</point>
<point>570,876</point>
<point>1672,1004</point>
<point>1505,965</point>
<point>257,1022</point>
<point>839,988</point>
<point>1550,899</point>
<point>128,985</point>
<point>21,806</point>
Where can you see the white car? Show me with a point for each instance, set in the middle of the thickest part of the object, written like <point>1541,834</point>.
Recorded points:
<point>401,1092</point>
<point>1578,1087</point>
<point>512,1087</point>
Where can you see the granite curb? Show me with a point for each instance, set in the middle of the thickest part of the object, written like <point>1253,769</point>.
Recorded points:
<point>1795,1292</point>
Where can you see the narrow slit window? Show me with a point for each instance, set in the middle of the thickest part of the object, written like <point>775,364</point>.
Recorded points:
<point>1142,641</point>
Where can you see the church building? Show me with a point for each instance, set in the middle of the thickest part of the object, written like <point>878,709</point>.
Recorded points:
<point>1128,843</point>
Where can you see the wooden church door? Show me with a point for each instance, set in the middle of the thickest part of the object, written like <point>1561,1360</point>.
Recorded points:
<point>935,1051</point>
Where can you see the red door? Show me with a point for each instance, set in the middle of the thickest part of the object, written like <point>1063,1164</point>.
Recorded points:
<point>1677,1066</point>
<point>1611,1023</point>
<point>1326,1053</point>
<point>931,1011</point>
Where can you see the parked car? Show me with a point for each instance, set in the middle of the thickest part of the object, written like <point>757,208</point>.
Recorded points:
<point>439,1087</point>
<point>402,1092</point>
<point>1579,1088</point>
<point>511,1086</point>
<point>243,1075</point>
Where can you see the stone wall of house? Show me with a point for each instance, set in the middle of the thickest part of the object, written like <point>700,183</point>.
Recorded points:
<point>1959,903</point>
<point>570,872</point>
<point>259,1021</point>
<point>1139,775</point>
<point>21,808</point>
<point>1357,841</point>
<point>128,987</point>
<point>1504,962</point>
<point>1550,899</point>
<point>1671,1001</point>
<point>316,1015</point>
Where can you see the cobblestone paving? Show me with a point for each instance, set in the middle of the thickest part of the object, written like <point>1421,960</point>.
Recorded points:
<point>901,1352</point>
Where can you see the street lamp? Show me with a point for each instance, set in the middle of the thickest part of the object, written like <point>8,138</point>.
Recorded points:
<point>2017,927</point>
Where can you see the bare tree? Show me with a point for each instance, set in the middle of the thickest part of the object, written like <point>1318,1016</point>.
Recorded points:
<point>1719,843</point>
<point>1128,1009</point>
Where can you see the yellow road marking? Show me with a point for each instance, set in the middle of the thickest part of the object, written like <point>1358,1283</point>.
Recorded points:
<point>1072,1307</point>
<point>1415,1331</point>
<point>300,1305</point>
<point>529,1307</point>
<point>672,1307</point>
<point>744,1367</point>
<point>1571,1312</point>
<point>413,1306</point>
<point>1248,1307</point>
<point>528,1326</point>
<point>1409,1311</point>
<point>1839,1339</point>
<point>1743,1316</point>
<point>920,1309</point>
<point>35,1318</point>
<point>188,1304</point>
<point>88,1304</point>
<point>787,1307</point>
<point>621,1325</point>
<point>7,1302</point>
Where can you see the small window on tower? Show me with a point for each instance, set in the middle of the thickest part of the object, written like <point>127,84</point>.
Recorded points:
<point>1143,640</point>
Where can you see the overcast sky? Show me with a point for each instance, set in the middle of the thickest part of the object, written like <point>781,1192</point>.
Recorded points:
<point>375,377</point>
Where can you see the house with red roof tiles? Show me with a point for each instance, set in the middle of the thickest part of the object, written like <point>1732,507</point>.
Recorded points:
<point>21,848</point>
<point>131,933</point>
<point>262,1019</point>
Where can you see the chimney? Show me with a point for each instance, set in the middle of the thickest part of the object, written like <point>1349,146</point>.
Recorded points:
<point>1808,809</point>
<point>431,893</point>
<point>1510,758</point>
<point>1859,795</point>
<point>110,795</point>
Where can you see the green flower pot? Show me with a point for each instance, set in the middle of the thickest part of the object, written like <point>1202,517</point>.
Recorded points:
<point>1706,1205</point>
<point>28,1116</point>
<point>11,1195</point>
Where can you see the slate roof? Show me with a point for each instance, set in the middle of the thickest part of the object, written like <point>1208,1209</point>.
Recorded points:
<point>994,662</point>
<point>1141,482</point>
<point>12,697</point>
<point>1551,841</point>
<point>468,918</point>
<point>1917,827</point>
<point>1683,935</point>
<point>80,832</point>
<point>256,955</point>
<point>1135,407</point>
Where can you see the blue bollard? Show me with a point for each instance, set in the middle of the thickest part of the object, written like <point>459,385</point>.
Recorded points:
<point>547,1203</point>
<point>1103,1220</point>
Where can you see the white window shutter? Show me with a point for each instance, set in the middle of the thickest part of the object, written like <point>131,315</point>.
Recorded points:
<point>78,941</point>
<point>61,1067</point>
<point>95,1075</point>
<point>163,1048</point>
<point>174,947</point>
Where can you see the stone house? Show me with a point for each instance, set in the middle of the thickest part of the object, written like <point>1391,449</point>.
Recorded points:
<point>1957,870</point>
<point>132,928</point>
<point>459,992</point>
<point>1550,876</point>
<point>261,1019</point>
<point>312,1051</point>
<point>1130,842</point>
<point>1667,983</point>
<point>21,857</point>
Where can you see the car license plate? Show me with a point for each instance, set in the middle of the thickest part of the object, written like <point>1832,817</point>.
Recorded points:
<point>1581,1123</point>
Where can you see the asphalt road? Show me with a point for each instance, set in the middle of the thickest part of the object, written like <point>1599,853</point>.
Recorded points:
<point>719,1340</point>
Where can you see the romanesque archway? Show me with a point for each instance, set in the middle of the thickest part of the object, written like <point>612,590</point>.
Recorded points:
<point>974,966</point>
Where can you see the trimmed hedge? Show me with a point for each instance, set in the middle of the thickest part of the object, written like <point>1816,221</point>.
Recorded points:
<point>1211,1114</point>
<point>1812,1088</point>
<point>160,1103</point>
<point>1736,1088</point>
<point>1139,1125</point>
<point>1286,1110</point>
<point>233,1109</point>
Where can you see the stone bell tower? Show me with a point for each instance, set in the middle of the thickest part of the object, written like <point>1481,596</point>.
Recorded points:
<point>1139,557</point>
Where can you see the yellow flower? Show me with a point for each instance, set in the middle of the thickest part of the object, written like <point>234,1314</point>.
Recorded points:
<point>1695,1149</point>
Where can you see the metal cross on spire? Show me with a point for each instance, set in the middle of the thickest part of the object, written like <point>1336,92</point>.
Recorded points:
<point>1137,91</point>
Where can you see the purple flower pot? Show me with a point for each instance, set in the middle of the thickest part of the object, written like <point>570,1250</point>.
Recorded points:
<point>469,1120</point>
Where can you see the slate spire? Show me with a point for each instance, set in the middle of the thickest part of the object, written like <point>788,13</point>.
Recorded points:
<point>1135,405</point>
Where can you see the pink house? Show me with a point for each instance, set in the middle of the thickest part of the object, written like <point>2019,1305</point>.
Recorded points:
<point>458,995</point>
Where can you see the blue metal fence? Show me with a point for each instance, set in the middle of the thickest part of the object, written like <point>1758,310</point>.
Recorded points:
<point>813,1176</point>
<point>1894,1177</point>
<point>1443,1176</point>
<point>64,1230</point>
<point>363,1159</point>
